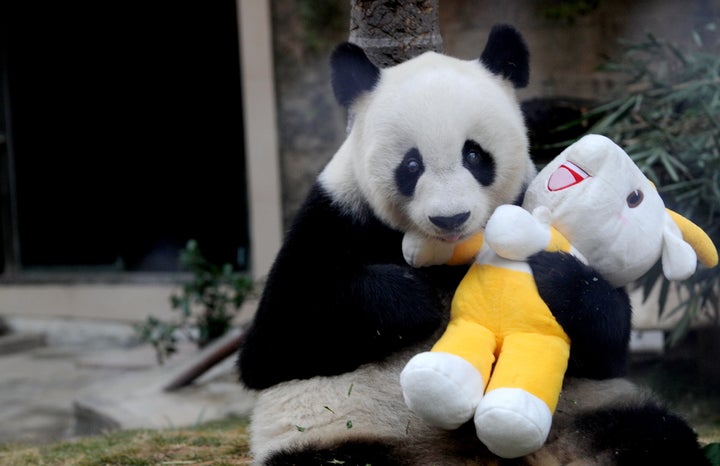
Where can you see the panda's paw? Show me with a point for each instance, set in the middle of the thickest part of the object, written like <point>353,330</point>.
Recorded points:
<point>512,422</point>
<point>441,388</point>
<point>420,251</point>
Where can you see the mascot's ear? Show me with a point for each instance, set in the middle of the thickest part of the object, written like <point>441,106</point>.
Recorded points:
<point>507,55</point>
<point>678,257</point>
<point>352,73</point>
<point>697,238</point>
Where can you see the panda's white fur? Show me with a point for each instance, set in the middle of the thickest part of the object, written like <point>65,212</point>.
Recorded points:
<point>366,406</point>
<point>342,312</point>
<point>433,103</point>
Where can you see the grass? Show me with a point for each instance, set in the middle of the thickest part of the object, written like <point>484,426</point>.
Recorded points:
<point>216,443</point>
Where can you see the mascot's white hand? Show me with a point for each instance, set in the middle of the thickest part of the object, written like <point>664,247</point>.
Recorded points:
<point>515,234</point>
<point>420,251</point>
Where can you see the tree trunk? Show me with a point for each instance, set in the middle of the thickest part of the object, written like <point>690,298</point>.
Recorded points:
<point>392,31</point>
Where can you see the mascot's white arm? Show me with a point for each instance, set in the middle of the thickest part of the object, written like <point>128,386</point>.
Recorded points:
<point>516,234</point>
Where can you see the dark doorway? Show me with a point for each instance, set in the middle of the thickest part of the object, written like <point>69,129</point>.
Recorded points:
<point>125,131</point>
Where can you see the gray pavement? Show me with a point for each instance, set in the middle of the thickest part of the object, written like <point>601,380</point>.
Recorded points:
<point>77,378</point>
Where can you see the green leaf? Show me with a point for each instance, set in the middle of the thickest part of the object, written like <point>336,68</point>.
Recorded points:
<point>712,452</point>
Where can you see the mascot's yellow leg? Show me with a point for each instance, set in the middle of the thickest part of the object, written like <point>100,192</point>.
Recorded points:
<point>533,362</point>
<point>471,341</point>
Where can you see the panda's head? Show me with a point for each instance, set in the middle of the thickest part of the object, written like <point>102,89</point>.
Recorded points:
<point>435,143</point>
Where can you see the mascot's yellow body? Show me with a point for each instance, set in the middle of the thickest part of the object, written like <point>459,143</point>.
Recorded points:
<point>511,317</point>
<point>503,356</point>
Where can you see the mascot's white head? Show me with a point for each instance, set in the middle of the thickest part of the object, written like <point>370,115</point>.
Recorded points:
<point>603,204</point>
<point>435,143</point>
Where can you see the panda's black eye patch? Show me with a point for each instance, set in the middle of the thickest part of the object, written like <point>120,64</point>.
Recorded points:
<point>478,162</point>
<point>408,172</point>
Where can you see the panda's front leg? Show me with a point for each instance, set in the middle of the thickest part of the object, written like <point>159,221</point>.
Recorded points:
<point>421,251</point>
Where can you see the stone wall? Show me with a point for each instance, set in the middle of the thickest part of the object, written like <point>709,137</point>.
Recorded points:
<point>310,124</point>
<point>566,51</point>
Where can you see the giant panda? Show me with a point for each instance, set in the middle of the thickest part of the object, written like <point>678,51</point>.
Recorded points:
<point>434,145</point>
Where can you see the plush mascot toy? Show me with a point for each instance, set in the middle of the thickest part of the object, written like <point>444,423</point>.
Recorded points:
<point>503,355</point>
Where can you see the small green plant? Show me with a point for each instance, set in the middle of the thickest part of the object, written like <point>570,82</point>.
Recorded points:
<point>206,305</point>
<point>667,118</point>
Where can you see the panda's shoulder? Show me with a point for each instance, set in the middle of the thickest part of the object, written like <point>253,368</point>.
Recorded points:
<point>330,225</point>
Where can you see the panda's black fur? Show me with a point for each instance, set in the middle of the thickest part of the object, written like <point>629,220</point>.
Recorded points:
<point>342,312</point>
<point>583,300</point>
<point>366,304</point>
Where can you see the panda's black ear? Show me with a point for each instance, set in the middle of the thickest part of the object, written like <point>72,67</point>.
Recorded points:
<point>352,73</point>
<point>507,55</point>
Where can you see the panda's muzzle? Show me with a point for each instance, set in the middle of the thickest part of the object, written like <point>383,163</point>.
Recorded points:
<point>451,223</point>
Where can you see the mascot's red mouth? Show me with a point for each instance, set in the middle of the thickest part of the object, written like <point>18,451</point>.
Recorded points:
<point>568,174</point>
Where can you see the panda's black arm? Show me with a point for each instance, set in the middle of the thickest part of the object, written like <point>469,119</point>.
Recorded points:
<point>595,315</point>
<point>339,295</point>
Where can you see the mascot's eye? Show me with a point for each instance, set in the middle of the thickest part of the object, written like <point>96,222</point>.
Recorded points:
<point>408,172</point>
<point>478,162</point>
<point>634,199</point>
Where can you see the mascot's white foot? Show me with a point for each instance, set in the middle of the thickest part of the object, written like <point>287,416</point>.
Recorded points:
<point>512,422</point>
<point>441,388</point>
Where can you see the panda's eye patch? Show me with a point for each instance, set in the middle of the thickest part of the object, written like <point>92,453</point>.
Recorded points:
<point>408,172</point>
<point>635,198</point>
<point>478,162</point>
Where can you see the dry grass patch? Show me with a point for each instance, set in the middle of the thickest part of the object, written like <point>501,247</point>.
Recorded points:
<point>215,443</point>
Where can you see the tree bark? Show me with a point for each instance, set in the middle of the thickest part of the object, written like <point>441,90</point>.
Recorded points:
<point>392,31</point>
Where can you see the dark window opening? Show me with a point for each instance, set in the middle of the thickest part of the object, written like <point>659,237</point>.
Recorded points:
<point>124,126</point>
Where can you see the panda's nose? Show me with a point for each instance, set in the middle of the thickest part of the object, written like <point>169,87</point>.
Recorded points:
<point>450,223</point>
